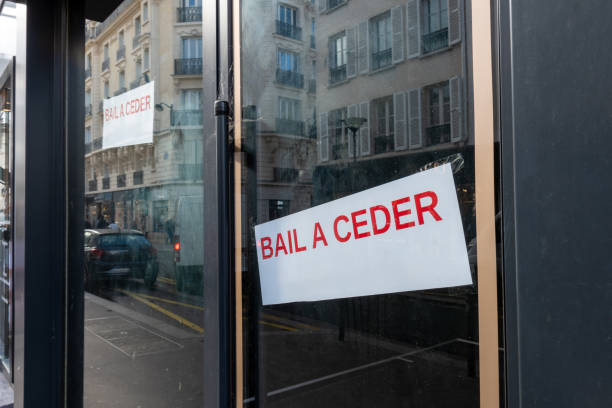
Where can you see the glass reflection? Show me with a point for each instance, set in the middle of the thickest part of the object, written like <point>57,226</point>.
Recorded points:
<point>387,96</point>
<point>143,236</point>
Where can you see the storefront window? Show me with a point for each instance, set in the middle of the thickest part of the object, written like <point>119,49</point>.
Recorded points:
<point>144,209</point>
<point>356,312</point>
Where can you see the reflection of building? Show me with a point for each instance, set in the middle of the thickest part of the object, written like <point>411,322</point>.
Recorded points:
<point>282,103</point>
<point>399,66</point>
<point>145,41</point>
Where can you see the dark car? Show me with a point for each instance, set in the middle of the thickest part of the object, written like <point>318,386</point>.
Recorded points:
<point>118,255</point>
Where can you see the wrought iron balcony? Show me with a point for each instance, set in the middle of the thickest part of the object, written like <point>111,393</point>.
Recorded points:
<point>190,171</point>
<point>383,144</point>
<point>105,64</point>
<point>188,66</point>
<point>120,91</point>
<point>187,117</point>
<point>97,144</point>
<point>88,73</point>
<point>290,78</point>
<point>189,14</point>
<point>92,185</point>
<point>339,151</point>
<point>121,53</point>
<point>312,86</point>
<point>381,59</point>
<point>138,177</point>
<point>121,179</point>
<point>334,3</point>
<point>135,83</point>
<point>87,147</point>
<point>435,41</point>
<point>288,30</point>
<point>285,175</point>
<point>106,183</point>
<point>435,135</point>
<point>337,74</point>
<point>88,110</point>
<point>136,41</point>
<point>290,127</point>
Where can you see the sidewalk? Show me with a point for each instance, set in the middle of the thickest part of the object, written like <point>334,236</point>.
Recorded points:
<point>6,393</point>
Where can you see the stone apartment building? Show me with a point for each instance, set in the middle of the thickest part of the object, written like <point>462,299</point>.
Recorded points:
<point>142,41</point>
<point>375,49</point>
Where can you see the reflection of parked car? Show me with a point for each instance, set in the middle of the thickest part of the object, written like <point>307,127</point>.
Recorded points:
<point>115,254</point>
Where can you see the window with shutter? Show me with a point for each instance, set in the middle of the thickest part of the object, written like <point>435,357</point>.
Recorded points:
<point>397,22</point>
<point>454,21</point>
<point>455,109</point>
<point>324,141</point>
<point>364,132</point>
<point>351,52</point>
<point>363,48</point>
<point>413,28</point>
<point>399,107</point>
<point>415,132</point>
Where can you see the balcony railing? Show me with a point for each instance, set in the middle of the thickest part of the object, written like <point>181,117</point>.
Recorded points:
<point>88,110</point>
<point>105,64</point>
<point>121,53</point>
<point>120,91</point>
<point>313,44</point>
<point>190,171</point>
<point>138,177</point>
<point>334,3</point>
<point>381,59</point>
<point>188,66</point>
<point>92,185</point>
<point>337,74</point>
<point>97,144</point>
<point>437,134</point>
<point>290,127</point>
<point>285,175</point>
<point>187,117</point>
<point>290,78</point>
<point>312,86</point>
<point>383,144</point>
<point>189,14</point>
<point>87,147</point>
<point>106,183</point>
<point>136,41</point>
<point>288,30</point>
<point>435,41</point>
<point>121,180</point>
<point>88,73</point>
<point>135,83</point>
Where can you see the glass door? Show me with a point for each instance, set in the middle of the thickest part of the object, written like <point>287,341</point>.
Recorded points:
<point>365,182</point>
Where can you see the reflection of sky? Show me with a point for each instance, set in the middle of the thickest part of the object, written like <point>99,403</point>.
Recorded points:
<point>8,29</point>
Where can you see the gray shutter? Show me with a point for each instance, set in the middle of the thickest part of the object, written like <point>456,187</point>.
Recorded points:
<point>363,47</point>
<point>399,110</point>
<point>454,21</point>
<point>413,28</point>
<point>322,6</point>
<point>351,52</point>
<point>353,112</point>
<point>324,142</point>
<point>364,133</point>
<point>413,110</point>
<point>455,109</point>
<point>397,21</point>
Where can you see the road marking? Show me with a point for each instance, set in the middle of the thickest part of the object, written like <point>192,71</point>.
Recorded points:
<point>280,319</point>
<point>278,326</point>
<point>173,302</point>
<point>168,313</point>
<point>166,280</point>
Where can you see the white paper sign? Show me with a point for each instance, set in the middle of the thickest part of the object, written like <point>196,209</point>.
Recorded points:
<point>401,236</point>
<point>128,118</point>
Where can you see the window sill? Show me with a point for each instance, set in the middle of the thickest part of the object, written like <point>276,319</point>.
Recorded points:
<point>383,69</point>
<point>436,52</point>
<point>289,87</point>
<point>331,10</point>
<point>293,40</point>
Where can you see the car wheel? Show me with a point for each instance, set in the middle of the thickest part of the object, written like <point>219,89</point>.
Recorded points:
<point>150,275</point>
